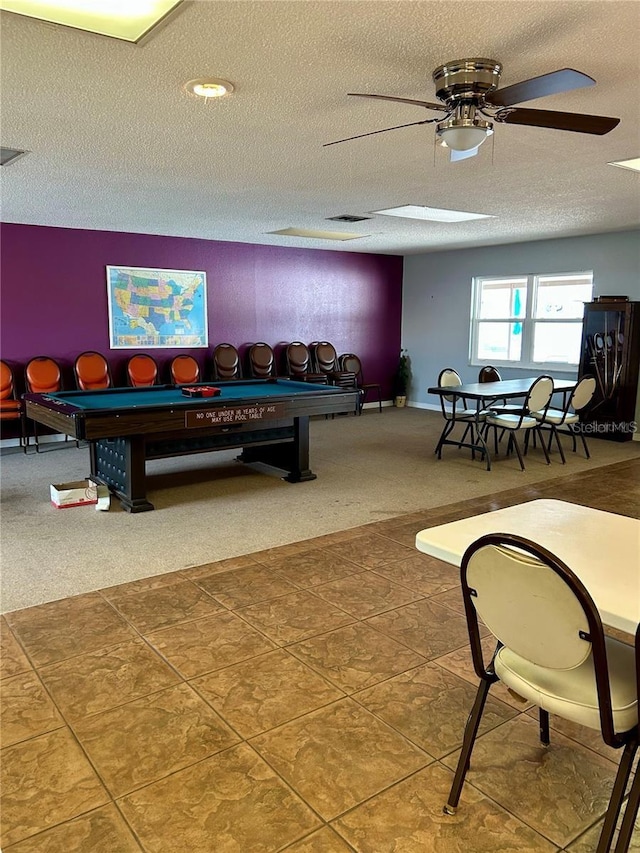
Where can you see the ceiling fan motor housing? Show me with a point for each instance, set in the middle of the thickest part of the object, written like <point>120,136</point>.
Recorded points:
<point>465,79</point>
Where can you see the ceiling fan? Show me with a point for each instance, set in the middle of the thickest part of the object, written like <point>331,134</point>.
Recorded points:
<point>472,101</point>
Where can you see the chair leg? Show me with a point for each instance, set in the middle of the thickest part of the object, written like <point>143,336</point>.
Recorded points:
<point>470,731</point>
<point>445,432</point>
<point>554,432</point>
<point>24,435</point>
<point>630,814</point>
<point>545,740</point>
<point>465,433</point>
<point>584,444</point>
<point>544,447</point>
<point>495,440</point>
<point>617,796</point>
<point>573,437</point>
<point>513,440</point>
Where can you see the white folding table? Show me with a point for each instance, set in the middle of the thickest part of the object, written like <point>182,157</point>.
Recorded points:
<point>601,548</point>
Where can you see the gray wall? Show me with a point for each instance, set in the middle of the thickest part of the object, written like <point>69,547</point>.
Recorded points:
<point>437,295</point>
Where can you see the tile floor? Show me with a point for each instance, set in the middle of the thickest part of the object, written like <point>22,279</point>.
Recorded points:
<point>310,698</point>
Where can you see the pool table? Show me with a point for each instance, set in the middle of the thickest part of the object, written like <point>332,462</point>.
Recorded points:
<point>267,418</point>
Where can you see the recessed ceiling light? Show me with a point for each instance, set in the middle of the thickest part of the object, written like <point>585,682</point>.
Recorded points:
<point>209,87</point>
<point>633,164</point>
<point>432,214</point>
<point>318,235</point>
<point>128,20</point>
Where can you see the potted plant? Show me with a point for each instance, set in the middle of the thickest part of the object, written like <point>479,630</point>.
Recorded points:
<point>401,379</point>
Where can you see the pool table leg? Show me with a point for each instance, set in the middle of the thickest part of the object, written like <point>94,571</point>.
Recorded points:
<point>291,456</point>
<point>300,472</point>
<point>119,463</point>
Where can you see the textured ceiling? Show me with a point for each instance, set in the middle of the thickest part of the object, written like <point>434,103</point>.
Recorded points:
<point>116,144</point>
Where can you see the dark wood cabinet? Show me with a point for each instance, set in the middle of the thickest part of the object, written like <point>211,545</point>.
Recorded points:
<point>611,353</point>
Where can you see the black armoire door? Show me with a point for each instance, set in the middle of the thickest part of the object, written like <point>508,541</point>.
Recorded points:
<point>611,353</point>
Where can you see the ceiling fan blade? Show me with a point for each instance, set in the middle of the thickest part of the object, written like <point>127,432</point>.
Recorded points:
<point>426,104</point>
<point>552,83</point>
<point>463,155</point>
<point>576,122</point>
<point>384,130</point>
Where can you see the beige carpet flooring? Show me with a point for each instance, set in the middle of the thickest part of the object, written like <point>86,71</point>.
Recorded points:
<point>210,507</point>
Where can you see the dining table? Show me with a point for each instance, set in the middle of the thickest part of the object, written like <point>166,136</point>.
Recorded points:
<point>482,394</point>
<point>601,548</point>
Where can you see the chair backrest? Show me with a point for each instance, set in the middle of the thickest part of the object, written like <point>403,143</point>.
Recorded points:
<point>226,362</point>
<point>349,361</point>
<point>92,371</point>
<point>262,360</point>
<point>535,605</point>
<point>325,357</point>
<point>528,602</point>
<point>297,359</point>
<point>583,393</point>
<point>142,370</point>
<point>489,374</point>
<point>449,378</point>
<point>184,369</point>
<point>7,385</point>
<point>540,394</point>
<point>42,375</point>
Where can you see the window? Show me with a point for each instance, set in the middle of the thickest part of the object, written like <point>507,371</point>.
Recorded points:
<point>529,320</point>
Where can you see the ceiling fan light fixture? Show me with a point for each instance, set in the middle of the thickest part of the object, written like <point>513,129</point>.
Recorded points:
<point>463,136</point>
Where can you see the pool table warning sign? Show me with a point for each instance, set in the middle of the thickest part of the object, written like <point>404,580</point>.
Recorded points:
<point>233,415</point>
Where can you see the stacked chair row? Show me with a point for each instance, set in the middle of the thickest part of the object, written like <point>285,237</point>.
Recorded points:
<point>317,362</point>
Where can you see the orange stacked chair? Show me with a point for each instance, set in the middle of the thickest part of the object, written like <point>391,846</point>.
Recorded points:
<point>11,409</point>
<point>184,370</point>
<point>92,371</point>
<point>42,375</point>
<point>142,371</point>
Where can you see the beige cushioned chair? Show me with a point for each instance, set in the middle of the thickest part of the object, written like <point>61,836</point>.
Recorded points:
<point>551,650</point>
<point>454,410</point>
<point>538,400</point>
<point>569,417</point>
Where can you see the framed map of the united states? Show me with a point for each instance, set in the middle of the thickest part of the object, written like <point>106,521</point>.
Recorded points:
<point>156,308</point>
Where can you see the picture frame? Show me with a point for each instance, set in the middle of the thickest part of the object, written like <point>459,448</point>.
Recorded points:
<point>153,308</point>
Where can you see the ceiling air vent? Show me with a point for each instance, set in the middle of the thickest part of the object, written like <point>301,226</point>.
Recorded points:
<point>347,217</point>
<point>8,155</point>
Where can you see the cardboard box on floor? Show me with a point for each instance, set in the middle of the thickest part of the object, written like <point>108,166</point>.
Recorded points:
<point>79,493</point>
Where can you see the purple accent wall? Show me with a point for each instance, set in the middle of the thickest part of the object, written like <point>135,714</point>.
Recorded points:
<point>54,296</point>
